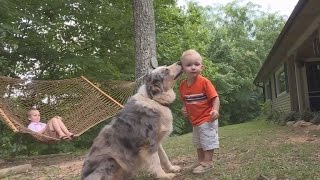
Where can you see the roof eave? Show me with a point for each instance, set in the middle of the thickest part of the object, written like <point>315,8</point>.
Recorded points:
<point>260,76</point>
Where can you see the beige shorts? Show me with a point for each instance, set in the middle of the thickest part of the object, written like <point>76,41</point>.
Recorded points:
<point>205,136</point>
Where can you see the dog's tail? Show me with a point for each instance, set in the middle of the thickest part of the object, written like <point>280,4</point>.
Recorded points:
<point>105,168</point>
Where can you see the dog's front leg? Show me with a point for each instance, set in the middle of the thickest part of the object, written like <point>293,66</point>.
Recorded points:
<point>156,169</point>
<point>165,162</point>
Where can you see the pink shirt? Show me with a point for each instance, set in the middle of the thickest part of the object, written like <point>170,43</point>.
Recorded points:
<point>37,126</point>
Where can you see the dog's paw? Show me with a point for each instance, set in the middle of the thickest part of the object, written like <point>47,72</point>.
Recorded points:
<point>174,169</point>
<point>166,176</point>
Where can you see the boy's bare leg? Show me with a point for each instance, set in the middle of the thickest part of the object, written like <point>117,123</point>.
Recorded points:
<point>54,126</point>
<point>201,155</point>
<point>62,126</point>
<point>208,155</point>
<point>206,163</point>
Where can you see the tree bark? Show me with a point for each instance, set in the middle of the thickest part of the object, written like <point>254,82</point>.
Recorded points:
<point>145,38</point>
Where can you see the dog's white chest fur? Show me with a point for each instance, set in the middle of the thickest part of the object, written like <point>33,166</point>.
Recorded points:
<point>166,119</point>
<point>164,111</point>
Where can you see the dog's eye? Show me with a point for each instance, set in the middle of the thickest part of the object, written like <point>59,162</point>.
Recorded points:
<point>166,71</point>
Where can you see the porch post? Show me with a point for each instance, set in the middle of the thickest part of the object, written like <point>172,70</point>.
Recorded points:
<point>302,85</point>
<point>298,84</point>
<point>292,84</point>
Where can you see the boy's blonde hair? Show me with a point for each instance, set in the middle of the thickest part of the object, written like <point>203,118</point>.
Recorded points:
<point>190,52</point>
<point>30,110</point>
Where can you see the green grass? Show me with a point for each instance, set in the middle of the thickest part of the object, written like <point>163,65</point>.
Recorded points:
<point>253,149</point>
<point>247,151</point>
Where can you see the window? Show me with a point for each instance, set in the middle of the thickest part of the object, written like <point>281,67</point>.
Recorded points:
<point>267,90</point>
<point>280,79</point>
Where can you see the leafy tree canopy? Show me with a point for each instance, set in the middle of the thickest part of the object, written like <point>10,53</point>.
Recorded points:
<point>60,39</point>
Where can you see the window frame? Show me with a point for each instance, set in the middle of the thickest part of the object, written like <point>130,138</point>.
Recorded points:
<point>277,74</point>
<point>267,87</point>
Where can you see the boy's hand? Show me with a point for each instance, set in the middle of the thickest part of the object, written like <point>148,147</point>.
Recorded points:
<point>214,115</point>
<point>184,111</point>
<point>58,117</point>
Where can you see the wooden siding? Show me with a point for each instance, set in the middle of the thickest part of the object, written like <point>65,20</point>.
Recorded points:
<point>281,103</point>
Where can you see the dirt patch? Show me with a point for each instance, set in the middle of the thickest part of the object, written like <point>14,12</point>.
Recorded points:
<point>306,127</point>
<point>303,135</point>
<point>40,161</point>
<point>71,168</point>
<point>55,166</point>
<point>185,162</point>
<point>66,167</point>
<point>300,139</point>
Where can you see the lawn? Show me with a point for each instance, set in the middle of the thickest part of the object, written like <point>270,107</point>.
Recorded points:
<point>252,150</point>
<point>256,149</point>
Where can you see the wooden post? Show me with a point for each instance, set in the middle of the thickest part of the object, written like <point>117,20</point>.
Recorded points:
<point>15,170</point>
<point>102,91</point>
<point>9,123</point>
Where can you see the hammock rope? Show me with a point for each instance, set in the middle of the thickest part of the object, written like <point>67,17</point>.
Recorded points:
<point>78,101</point>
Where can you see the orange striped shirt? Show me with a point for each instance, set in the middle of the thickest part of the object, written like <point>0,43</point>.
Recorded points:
<point>197,99</point>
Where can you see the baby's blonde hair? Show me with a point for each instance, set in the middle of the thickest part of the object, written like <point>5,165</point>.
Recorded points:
<point>190,52</point>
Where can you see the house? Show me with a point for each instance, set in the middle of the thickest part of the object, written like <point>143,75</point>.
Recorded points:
<point>290,76</point>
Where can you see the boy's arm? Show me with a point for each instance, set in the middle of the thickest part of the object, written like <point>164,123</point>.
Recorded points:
<point>215,108</point>
<point>184,111</point>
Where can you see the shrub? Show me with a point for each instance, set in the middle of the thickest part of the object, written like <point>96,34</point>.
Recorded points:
<point>316,118</point>
<point>181,125</point>
<point>266,109</point>
<point>292,116</point>
<point>306,116</point>
<point>274,115</point>
<point>280,117</point>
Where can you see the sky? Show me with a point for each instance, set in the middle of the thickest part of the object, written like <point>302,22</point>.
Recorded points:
<point>283,7</point>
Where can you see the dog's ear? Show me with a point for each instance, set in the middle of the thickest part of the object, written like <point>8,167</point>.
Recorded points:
<point>154,84</point>
<point>146,76</point>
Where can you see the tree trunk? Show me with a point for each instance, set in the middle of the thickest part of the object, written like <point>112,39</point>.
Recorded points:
<point>145,38</point>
